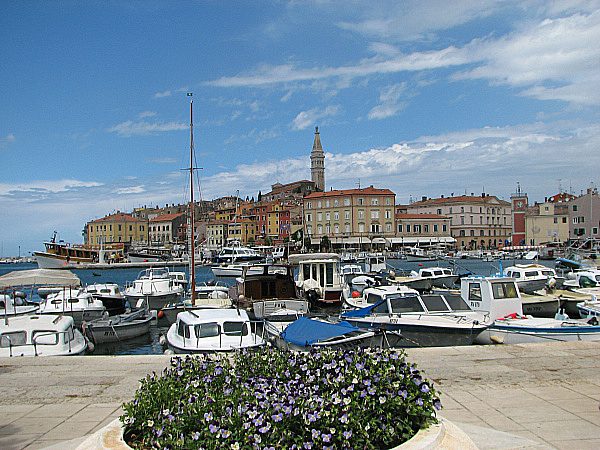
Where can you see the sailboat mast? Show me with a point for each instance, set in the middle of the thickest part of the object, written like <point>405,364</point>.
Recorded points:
<point>193,251</point>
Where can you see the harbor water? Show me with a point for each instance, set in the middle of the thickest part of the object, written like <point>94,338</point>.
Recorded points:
<point>149,344</point>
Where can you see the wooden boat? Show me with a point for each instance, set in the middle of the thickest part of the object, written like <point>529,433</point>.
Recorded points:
<point>118,327</point>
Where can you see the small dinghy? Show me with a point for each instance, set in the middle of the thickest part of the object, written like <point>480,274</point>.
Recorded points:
<point>118,328</point>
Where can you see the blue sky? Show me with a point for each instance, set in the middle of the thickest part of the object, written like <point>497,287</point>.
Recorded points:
<point>426,98</point>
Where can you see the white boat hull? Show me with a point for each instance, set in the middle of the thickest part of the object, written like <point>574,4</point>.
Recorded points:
<point>103,331</point>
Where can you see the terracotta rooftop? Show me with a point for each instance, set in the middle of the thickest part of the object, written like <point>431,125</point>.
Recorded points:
<point>166,217</point>
<point>118,217</point>
<point>460,199</point>
<point>365,191</point>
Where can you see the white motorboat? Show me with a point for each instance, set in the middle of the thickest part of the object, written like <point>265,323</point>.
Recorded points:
<point>15,304</point>
<point>213,330</point>
<point>179,278</point>
<point>305,334</point>
<point>230,269</point>
<point>156,286</point>
<point>40,335</point>
<point>319,278</point>
<point>412,280</point>
<point>499,296</point>
<point>369,297</point>
<point>110,295</point>
<point>119,327</point>
<point>424,320</point>
<point>441,277</point>
<point>236,252</point>
<point>209,294</point>
<point>75,303</point>
<point>533,277</point>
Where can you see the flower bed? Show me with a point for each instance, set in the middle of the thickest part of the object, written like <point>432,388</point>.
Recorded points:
<point>367,398</point>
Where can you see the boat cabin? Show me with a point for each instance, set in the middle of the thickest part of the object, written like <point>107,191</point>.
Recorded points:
<point>266,281</point>
<point>319,277</point>
<point>497,295</point>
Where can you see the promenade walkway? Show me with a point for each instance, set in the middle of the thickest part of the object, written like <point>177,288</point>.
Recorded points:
<point>533,396</point>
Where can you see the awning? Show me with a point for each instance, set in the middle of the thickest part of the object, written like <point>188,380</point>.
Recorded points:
<point>39,277</point>
<point>423,240</point>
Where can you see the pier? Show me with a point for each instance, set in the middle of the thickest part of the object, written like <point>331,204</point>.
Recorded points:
<point>533,396</point>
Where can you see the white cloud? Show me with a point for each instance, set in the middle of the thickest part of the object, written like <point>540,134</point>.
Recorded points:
<point>130,128</point>
<point>390,102</point>
<point>162,94</point>
<point>559,57</point>
<point>130,190</point>
<point>305,119</point>
<point>146,114</point>
<point>43,187</point>
<point>8,139</point>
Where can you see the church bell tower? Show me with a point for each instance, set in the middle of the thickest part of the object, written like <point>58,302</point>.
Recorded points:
<point>317,163</point>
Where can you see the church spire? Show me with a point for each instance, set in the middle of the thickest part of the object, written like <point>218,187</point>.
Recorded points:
<point>317,163</point>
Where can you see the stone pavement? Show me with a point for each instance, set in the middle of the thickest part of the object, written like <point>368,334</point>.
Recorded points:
<point>533,396</point>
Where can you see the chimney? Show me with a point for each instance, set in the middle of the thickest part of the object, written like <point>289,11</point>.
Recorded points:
<point>442,195</point>
<point>483,195</point>
<point>472,194</point>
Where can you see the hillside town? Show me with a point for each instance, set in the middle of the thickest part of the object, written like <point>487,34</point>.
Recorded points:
<point>305,214</point>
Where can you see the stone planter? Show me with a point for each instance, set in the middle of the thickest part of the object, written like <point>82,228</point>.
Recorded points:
<point>444,435</point>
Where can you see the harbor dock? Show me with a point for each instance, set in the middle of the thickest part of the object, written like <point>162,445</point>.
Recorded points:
<point>533,396</point>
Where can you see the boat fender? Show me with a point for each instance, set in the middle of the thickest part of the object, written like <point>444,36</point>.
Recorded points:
<point>162,340</point>
<point>593,321</point>
<point>169,352</point>
<point>160,314</point>
<point>496,340</point>
<point>355,294</point>
<point>90,346</point>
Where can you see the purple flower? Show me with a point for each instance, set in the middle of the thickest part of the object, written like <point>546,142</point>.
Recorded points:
<point>437,404</point>
<point>347,434</point>
<point>419,401</point>
<point>213,428</point>
<point>308,445</point>
<point>424,388</point>
<point>278,417</point>
<point>326,437</point>
<point>265,429</point>
<point>225,433</point>
<point>315,433</point>
<point>195,435</point>
<point>382,399</point>
<point>208,416</point>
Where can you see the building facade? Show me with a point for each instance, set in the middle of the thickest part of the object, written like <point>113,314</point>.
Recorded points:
<point>546,224</point>
<point>164,229</point>
<point>118,227</point>
<point>584,216</point>
<point>475,221</point>
<point>354,216</point>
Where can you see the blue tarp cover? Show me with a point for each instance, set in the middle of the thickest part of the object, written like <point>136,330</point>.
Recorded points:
<point>304,332</point>
<point>362,312</point>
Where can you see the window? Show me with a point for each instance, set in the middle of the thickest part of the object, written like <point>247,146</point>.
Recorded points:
<point>361,201</point>
<point>439,211</point>
<point>399,228</point>
<point>388,214</point>
<point>556,220</point>
<point>408,227</point>
<point>374,201</point>
<point>309,217</point>
<point>319,229</point>
<point>336,215</point>
<point>319,204</point>
<point>327,216</point>
<point>361,214</point>
<point>388,227</point>
<point>347,228</point>
<point>462,233</point>
<point>308,205</point>
<point>574,207</point>
<point>361,227</point>
<point>327,229</point>
<point>417,228</point>
<point>564,220</point>
<point>474,292</point>
<point>335,202</point>
<point>336,229</point>
<point>326,203</point>
<point>444,227</point>
<point>388,201</point>
<point>119,227</point>
<point>374,214</point>
<point>319,217</point>
<point>451,210</point>
<point>346,215</point>
<point>472,232</point>
<point>130,227</point>
<point>346,202</point>
<point>435,228</point>
<point>375,228</point>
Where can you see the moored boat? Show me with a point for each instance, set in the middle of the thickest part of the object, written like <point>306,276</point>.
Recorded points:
<point>119,327</point>
<point>156,286</point>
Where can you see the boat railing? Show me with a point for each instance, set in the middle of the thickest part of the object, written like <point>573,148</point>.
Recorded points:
<point>50,333</point>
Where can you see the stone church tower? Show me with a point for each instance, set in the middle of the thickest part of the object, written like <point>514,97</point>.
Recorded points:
<point>317,163</point>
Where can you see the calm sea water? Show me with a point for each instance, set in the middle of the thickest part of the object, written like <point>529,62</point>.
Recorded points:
<point>149,344</point>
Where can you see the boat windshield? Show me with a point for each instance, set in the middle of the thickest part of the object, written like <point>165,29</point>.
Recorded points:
<point>456,302</point>
<point>408,304</point>
<point>504,290</point>
<point>235,328</point>
<point>203,330</point>
<point>434,303</point>
<point>13,338</point>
